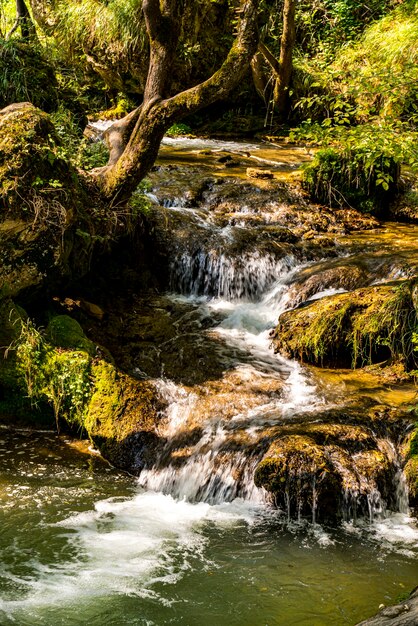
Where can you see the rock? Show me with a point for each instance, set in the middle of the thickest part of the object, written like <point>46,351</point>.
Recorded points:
<point>93,310</point>
<point>257,173</point>
<point>35,212</point>
<point>341,277</point>
<point>404,614</point>
<point>328,468</point>
<point>411,467</point>
<point>121,416</point>
<point>65,332</point>
<point>52,217</point>
<point>368,325</point>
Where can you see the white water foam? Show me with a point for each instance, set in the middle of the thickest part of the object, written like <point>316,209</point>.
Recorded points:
<point>124,546</point>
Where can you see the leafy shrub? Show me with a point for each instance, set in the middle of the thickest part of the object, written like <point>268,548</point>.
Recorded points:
<point>179,129</point>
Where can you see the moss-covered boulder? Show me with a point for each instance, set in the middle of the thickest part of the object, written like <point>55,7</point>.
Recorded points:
<point>411,466</point>
<point>38,200</point>
<point>121,416</point>
<point>53,218</point>
<point>62,372</point>
<point>369,325</point>
<point>342,276</point>
<point>65,332</point>
<point>337,467</point>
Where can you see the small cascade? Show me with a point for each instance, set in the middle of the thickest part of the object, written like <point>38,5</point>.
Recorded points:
<point>262,419</point>
<point>245,277</point>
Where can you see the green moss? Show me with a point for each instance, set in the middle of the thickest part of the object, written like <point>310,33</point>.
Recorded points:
<point>65,332</point>
<point>411,467</point>
<point>56,369</point>
<point>367,325</point>
<point>119,405</point>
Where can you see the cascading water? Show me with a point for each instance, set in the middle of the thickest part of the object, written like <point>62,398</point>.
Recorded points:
<point>82,543</point>
<point>222,445</point>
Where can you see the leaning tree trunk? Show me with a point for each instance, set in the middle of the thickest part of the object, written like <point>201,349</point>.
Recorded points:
<point>134,141</point>
<point>287,42</point>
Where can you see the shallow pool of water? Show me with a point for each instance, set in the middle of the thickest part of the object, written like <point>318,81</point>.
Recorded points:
<point>82,543</point>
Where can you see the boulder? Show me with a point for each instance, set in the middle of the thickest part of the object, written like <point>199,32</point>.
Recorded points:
<point>403,614</point>
<point>331,468</point>
<point>368,325</point>
<point>37,200</point>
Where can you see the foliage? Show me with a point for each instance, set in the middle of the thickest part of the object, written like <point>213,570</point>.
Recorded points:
<point>322,26</point>
<point>74,147</point>
<point>59,377</point>
<point>179,129</point>
<point>25,75</point>
<point>139,203</point>
<point>357,165</point>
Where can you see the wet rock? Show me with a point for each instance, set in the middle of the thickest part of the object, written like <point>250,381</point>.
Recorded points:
<point>257,173</point>
<point>404,614</point>
<point>373,324</point>
<point>411,468</point>
<point>337,466</point>
<point>121,416</point>
<point>345,277</point>
<point>93,310</point>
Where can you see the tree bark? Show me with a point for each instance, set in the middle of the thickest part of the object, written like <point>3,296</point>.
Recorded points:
<point>162,20</point>
<point>260,79</point>
<point>281,89</point>
<point>131,161</point>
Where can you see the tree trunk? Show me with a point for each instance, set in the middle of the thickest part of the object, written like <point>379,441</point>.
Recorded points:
<point>260,79</point>
<point>134,141</point>
<point>281,89</point>
<point>162,19</point>
<point>24,21</point>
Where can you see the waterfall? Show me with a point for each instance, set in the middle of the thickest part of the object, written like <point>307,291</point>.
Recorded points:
<point>215,434</point>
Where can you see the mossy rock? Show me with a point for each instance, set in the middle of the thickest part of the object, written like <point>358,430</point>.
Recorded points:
<point>29,162</point>
<point>41,204</point>
<point>326,471</point>
<point>369,325</point>
<point>65,332</point>
<point>411,467</point>
<point>340,277</point>
<point>121,415</point>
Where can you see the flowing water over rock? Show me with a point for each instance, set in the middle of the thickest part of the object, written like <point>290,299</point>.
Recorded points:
<point>194,538</point>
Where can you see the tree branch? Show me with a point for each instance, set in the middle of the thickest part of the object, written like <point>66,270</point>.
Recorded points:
<point>229,75</point>
<point>269,57</point>
<point>128,167</point>
<point>162,21</point>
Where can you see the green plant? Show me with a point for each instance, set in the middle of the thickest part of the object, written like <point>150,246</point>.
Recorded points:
<point>74,146</point>
<point>179,129</point>
<point>59,377</point>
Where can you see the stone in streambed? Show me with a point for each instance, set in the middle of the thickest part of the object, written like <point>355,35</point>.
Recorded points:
<point>368,325</point>
<point>260,174</point>
<point>404,614</point>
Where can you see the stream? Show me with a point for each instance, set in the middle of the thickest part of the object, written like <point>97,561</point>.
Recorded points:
<point>192,540</point>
